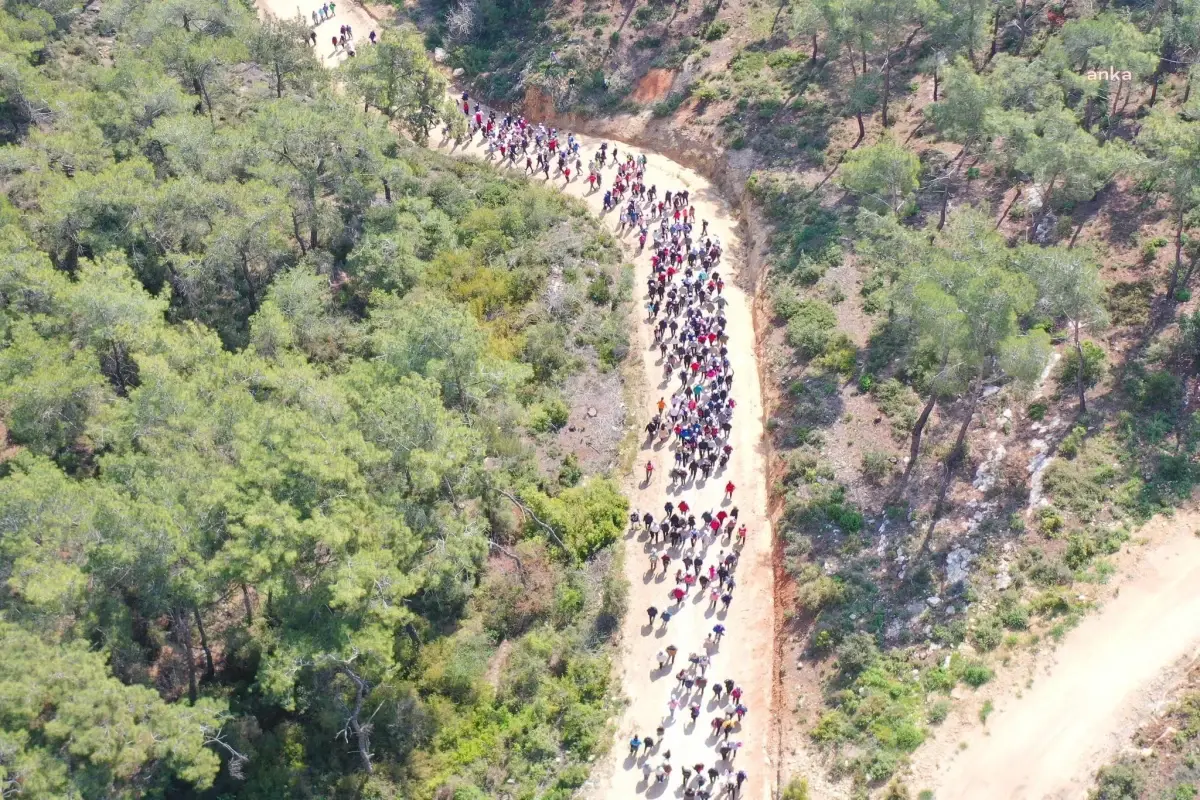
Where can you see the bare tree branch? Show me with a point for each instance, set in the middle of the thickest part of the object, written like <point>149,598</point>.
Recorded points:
<point>528,513</point>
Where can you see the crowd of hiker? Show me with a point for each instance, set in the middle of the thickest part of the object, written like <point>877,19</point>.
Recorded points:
<point>685,306</point>
<point>344,40</point>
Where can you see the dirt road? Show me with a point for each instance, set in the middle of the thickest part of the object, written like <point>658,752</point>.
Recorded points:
<point>1087,697</point>
<point>345,13</point>
<point>747,652</point>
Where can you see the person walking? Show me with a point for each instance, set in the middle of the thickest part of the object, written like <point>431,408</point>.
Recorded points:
<point>729,487</point>
<point>672,651</point>
<point>651,612</point>
<point>634,745</point>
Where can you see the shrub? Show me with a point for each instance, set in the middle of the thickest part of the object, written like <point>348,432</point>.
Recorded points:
<point>549,415</point>
<point>811,326</point>
<point>876,466</point>
<point>1121,781</point>
<point>1013,614</point>
<point>988,633</point>
<point>938,712</point>
<point>1150,249</point>
<point>570,473</point>
<point>833,727</point>
<point>586,518</point>
<point>897,402</point>
<point>796,789</point>
<point>857,653</point>
<point>840,356</point>
<point>1160,391</point>
<point>816,590</point>
<point>1072,442</point>
<point>600,290</point>
<point>513,596</point>
<point>704,92</point>
<point>1093,366</point>
<point>714,30</point>
<point>1037,411</point>
<point>1129,303</point>
<point>1049,521</point>
<point>976,674</point>
<point>668,105</point>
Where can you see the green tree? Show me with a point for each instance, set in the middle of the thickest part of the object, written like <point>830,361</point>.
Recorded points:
<point>1069,287</point>
<point>1065,163</point>
<point>884,175</point>
<point>397,77</point>
<point>1173,147</point>
<point>324,164</point>
<point>862,99</point>
<point>966,115</point>
<point>71,729</point>
<point>280,46</point>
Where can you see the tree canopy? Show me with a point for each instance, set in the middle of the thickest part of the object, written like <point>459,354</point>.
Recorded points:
<point>269,379</point>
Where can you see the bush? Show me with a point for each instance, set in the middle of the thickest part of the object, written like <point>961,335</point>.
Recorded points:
<point>796,789</point>
<point>938,712</point>
<point>1037,411</point>
<point>600,290</point>
<point>1072,443</point>
<point>1050,521</point>
<point>512,596</point>
<point>1160,391</point>
<point>897,402</point>
<point>988,633</point>
<point>840,356</point>
<point>876,466</point>
<point>586,518</point>
<point>810,328</point>
<point>1150,249</point>
<point>816,590</point>
<point>1121,781</point>
<point>1013,614</point>
<point>976,674</point>
<point>1093,366</point>
<point>549,415</point>
<point>857,653</point>
<point>714,30</point>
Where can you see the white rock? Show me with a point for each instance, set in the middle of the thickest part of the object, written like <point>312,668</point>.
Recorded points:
<point>934,601</point>
<point>958,563</point>
<point>439,55</point>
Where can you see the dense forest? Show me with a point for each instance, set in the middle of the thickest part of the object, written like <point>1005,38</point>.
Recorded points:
<point>278,391</point>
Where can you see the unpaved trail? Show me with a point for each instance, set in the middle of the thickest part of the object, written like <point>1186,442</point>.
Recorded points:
<point>1089,694</point>
<point>747,653</point>
<point>346,13</point>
